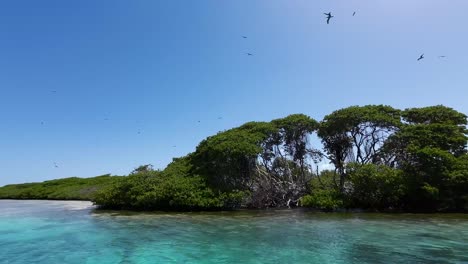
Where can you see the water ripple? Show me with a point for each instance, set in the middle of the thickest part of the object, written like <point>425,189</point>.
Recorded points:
<point>70,232</point>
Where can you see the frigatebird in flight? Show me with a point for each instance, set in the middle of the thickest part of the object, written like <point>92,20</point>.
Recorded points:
<point>329,16</point>
<point>421,57</point>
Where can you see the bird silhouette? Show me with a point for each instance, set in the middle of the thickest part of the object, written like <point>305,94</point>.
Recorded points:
<point>249,54</point>
<point>443,56</point>
<point>354,13</point>
<point>53,91</point>
<point>421,57</point>
<point>329,16</point>
<point>220,117</point>
<point>55,165</point>
<point>244,37</point>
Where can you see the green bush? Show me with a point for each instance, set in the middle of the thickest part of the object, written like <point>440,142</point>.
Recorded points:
<point>61,189</point>
<point>171,189</point>
<point>374,186</point>
<point>324,192</point>
<point>327,200</point>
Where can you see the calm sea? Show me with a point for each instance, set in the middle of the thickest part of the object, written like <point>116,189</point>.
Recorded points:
<point>74,232</point>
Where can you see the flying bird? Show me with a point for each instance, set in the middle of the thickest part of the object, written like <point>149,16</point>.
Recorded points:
<point>244,37</point>
<point>220,117</point>
<point>249,54</point>
<point>329,16</point>
<point>42,122</point>
<point>443,56</point>
<point>421,57</point>
<point>53,91</point>
<point>354,13</point>
<point>55,165</point>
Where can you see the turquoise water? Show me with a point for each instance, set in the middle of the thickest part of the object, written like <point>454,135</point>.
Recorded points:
<point>72,232</point>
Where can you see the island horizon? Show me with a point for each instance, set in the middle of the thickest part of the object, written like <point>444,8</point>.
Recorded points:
<point>384,160</point>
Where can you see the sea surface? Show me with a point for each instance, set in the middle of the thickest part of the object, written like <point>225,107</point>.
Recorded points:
<point>74,232</point>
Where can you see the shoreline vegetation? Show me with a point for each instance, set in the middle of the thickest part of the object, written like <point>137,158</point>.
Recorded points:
<point>383,159</point>
<point>67,189</point>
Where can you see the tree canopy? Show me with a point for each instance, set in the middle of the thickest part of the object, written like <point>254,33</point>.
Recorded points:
<point>383,159</point>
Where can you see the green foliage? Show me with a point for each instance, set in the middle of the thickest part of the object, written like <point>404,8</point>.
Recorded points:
<point>143,168</point>
<point>327,180</point>
<point>427,148</point>
<point>327,200</point>
<point>446,137</point>
<point>62,189</point>
<point>171,189</point>
<point>374,186</point>
<point>293,131</point>
<point>358,134</point>
<point>154,191</point>
<point>324,193</point>
<point>413,160</point>
<point>180,166</point>
<point>346,119</point>
<point>228,159</point>
<point>438,114</point>
<point>458,184</point>
<point>428,179</point>
<point>436,127</point>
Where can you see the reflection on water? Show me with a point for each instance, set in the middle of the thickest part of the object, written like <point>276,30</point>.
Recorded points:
<point>73,232</point>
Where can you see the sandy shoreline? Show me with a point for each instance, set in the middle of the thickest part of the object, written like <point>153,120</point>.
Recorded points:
<point>66,204</point>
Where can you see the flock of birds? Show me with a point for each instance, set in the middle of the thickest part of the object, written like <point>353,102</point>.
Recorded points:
<point>328,17</point>
<point>107,119</point>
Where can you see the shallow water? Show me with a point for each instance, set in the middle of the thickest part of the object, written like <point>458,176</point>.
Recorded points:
<point>73,232</point>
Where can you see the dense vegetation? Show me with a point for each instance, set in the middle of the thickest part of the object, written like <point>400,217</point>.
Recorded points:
<point>383,159</point>
<point>171,189</point>
<point>62,189</point>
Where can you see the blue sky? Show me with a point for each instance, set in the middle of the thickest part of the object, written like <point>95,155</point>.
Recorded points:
<point>133,78</point>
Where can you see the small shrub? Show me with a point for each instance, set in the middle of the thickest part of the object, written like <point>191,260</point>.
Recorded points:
<point>327,200</point>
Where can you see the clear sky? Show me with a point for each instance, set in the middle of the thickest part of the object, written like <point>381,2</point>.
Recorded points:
<point>132,79</point>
